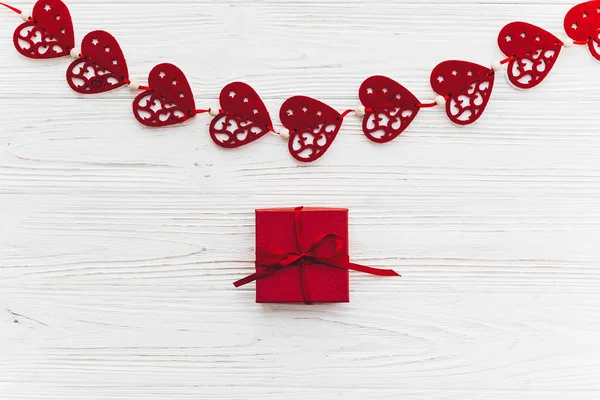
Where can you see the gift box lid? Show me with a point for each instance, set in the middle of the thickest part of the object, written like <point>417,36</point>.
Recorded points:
<point>284,229</point>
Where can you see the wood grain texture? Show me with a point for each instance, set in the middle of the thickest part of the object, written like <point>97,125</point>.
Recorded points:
<point>119,244</point>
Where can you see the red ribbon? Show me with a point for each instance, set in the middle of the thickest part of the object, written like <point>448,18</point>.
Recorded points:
<point>274,260</point>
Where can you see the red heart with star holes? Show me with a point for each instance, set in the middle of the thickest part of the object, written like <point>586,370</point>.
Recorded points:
<point>169,101</point>
<point>313,127</point>
<point>533,50</point>
<point>390,108</point>
<point>102,66</point>
<point>582,23</point>
<point>243,118</point>
<point>48,33</point>
<point>467,88</point>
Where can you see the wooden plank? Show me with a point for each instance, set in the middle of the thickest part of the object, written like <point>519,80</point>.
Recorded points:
<point>119,244</point>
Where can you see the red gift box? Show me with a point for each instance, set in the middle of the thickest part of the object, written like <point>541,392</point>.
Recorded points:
<point>302,256</point>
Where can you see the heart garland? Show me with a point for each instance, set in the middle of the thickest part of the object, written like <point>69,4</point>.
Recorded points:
<point>167,101</point>
<point>467,88</point>
<point>101,65</point>
<point>310,126</point>
<point>531,51</point>
<point>389,108</point>
<point>582,24</point>
<point>313,126</point>
<point>243,117</point>
<point>48,33</point>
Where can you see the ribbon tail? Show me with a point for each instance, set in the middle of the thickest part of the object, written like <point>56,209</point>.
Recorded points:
<point>365,269</point>
<point>255,276</point>
<point>372,271</point>
<point>246,280</point>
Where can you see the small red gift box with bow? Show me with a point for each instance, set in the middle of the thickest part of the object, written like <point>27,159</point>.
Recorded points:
<point>302,256</point>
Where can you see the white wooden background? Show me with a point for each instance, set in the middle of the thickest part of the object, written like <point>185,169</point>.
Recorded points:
<point>119,244</point>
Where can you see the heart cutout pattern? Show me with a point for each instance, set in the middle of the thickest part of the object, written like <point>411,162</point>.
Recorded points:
<point>243,117</point>
<point>102,66</point>
<point>49,32</point>
<point>533,50</point>
<point>169,101</point>
<point>313,127</point>
<point>582,23</point>
<point>467,88</point>
<point>390,108</point>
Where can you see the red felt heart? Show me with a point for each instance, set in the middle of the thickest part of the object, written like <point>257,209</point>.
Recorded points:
<point>102,66</point>
<point>582,23</point>
<point>313,127</point>
<point>243,118</point>
<point>390,108</point>
<point>169,101</point>
<point>467,88</point>
<point>533,50</point>
<point>49,32</point>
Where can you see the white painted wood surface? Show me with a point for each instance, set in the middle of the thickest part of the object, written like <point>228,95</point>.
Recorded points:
<point>119,244</point>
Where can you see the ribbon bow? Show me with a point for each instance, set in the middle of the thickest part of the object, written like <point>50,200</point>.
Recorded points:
<point>320,252</point>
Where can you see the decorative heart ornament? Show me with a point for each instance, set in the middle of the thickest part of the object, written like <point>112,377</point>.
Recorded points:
<point>313,127</point>
<point>243,117</point>
<point>390,108</point>
<point>467,88</point>
<point>169,101</point>
<point>582,23</point>
<point>533,50</point>
<point>49,32</point>
<point>101,67</point>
